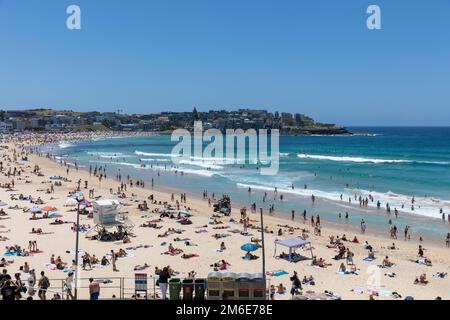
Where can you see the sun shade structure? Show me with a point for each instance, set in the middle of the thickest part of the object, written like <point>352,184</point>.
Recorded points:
<point>292,244</point>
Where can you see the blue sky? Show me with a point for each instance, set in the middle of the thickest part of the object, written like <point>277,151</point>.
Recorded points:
<point>314,56</point>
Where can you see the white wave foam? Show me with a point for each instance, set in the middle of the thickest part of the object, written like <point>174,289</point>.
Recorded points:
<point>152,154</point>
<point>109,155</point>
<point>202,164</point>
<point>366,160</point>
<point>154,160</point>
<point>428,207</point>
<point>64,144</point>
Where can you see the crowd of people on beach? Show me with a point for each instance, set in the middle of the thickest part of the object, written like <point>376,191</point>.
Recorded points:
<point>16,169</point>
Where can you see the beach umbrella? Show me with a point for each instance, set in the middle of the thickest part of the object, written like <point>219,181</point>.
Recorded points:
<point>55,215</point>
<point>85,203</point>
<point>35,210</point>
<point>249,247</point>
<point>48,208</point>
<point>186,213</point>
<point>71,202</point>
<point>2,203</point>
<point>409,298</point>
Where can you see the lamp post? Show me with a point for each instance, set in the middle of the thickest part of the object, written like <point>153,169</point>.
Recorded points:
<point>76,249</point>
<point>263,251</point>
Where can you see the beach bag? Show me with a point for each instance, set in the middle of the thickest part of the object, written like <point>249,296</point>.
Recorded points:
<point>22,288</point>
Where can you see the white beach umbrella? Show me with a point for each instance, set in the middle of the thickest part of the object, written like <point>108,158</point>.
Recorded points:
<point>71,202</point>
<point>2,203</point>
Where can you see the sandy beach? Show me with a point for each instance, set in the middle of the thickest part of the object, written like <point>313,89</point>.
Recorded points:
<point>152,243</point>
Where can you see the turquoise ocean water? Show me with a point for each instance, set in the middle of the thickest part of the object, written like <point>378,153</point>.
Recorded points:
<point>390,164</point>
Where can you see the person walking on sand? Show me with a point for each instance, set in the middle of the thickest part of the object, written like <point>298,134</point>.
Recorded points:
<point>94,289</point>
<point>447,240</point>
<point>363,226</point>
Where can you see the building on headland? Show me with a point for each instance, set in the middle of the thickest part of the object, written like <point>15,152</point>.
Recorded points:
<point>246,118</point>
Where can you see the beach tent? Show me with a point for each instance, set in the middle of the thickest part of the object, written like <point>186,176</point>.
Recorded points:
<point>293,244</point>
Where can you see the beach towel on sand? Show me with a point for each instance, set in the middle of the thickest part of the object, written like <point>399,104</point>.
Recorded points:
<point>277,273</point>
<point>367,259</point>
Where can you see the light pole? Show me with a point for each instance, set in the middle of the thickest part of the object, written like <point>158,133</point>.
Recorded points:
<point>76,249</point>
<point>263,251</point>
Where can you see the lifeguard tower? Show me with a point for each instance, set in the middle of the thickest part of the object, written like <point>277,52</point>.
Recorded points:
<point>110,223</point>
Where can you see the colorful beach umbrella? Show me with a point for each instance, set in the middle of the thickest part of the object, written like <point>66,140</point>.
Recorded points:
<point>55,215</point>
<point>48,208</point>
<point>85,203</point>
<point>249,247</point>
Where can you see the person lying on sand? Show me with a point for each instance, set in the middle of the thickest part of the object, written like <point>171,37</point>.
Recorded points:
<point>189,255</point>
<point>173,251</point>
<point>38,230</point>
<point>221,265</point>
<point>141,267</point>
<point>250,256</point>
<point>424,261</point>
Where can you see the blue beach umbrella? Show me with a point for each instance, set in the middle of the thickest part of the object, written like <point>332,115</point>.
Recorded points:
<point>249,247</point>
<point>35,210</point>
<point>2,203</point>
<point>55,215</point>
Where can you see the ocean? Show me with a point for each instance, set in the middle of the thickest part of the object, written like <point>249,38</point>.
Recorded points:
<point>393,165</point>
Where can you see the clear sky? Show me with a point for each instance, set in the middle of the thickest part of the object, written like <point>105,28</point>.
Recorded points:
<point>310,56</point>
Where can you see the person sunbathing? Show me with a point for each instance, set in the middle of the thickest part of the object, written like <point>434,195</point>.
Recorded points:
<point>189,255</point>
<point>126,239</point>
<point>371,255</point>
<point>37,231</point>
<point>421,280</point>
<point>281,289</point>
<point>5,263</point>
<point>386,262</point>
<point>221,265</point>
<point>321,263</point>
<point>424,261</point>
<point>174,251</point>
<point>122,253</point>
<point>392,247</point>
<point>141,267</point>
<point>104,261</point>
<point>250,256</point>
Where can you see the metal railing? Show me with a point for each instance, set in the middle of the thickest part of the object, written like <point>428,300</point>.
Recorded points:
<point>121,288</point>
